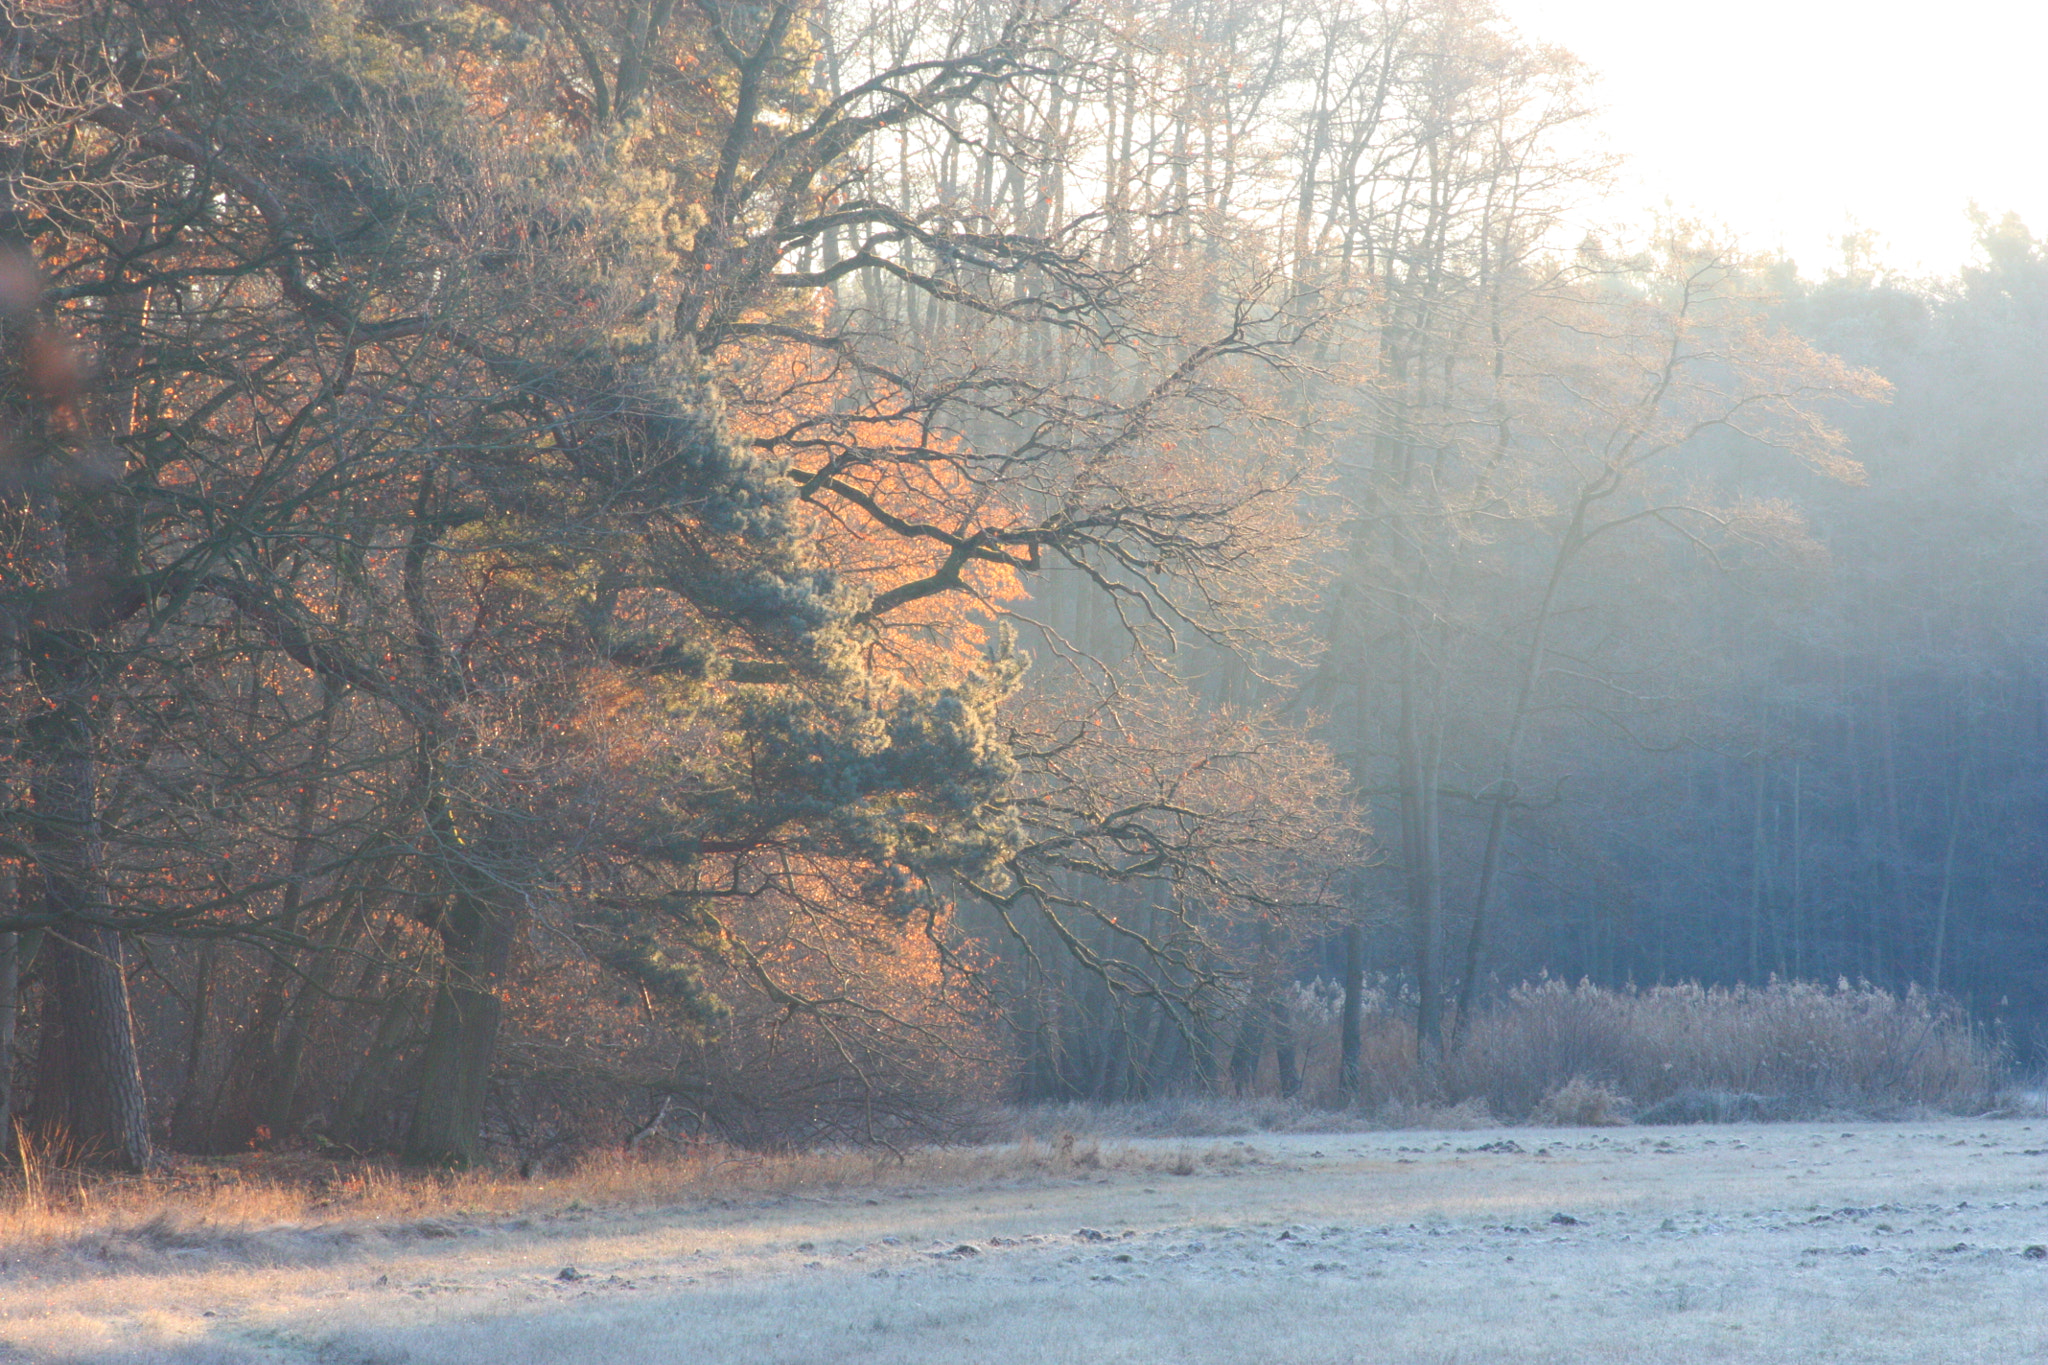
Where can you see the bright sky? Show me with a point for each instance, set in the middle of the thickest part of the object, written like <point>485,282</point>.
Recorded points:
<point>1794,121</point>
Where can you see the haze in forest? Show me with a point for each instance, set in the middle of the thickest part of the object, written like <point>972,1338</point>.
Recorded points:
<point>578,573</point>
<point>1796,122</point>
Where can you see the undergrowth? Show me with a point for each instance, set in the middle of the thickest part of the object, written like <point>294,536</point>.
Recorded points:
<point>1583,1055</point>
<point>1550,1053</point>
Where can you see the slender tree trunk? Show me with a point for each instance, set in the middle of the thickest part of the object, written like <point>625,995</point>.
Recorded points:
<point>352,1121</point>
<point>10,1009</point>
<point>1948,874</point>
<point>185,1121</point>
<point>289,1059</point>
<point>1350,1080</point>
<point>1249,1048</point>
<point>1422,854</point>
<point>1286,1058</point>
<point>1798,913</point>
<point>1505,789</point>
<point>246,1095</point>
<point>1113,1081</point>
<point>1757,848</point>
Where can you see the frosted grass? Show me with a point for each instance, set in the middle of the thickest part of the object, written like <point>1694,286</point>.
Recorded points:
<point>1865,1242</point>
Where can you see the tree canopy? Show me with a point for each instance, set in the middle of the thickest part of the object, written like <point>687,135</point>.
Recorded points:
<point>569,557</point>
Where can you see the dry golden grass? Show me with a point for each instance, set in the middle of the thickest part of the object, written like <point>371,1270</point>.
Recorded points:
<point>195,1203</point>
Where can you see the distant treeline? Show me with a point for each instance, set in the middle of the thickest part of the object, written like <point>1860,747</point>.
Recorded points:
<point>1852,778</point>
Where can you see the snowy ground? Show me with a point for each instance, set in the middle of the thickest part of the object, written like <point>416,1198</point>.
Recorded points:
<point>1845,1242</point>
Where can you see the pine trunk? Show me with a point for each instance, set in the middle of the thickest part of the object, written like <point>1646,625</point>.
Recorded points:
<point>89,1098</point>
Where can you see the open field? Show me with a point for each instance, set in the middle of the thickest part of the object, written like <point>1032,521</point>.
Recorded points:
<point>1837,1242</point>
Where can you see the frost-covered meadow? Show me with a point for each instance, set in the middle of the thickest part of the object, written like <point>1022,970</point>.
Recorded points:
<point>1918,1242</point>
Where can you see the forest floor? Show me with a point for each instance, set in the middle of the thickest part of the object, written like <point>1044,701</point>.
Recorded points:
<point>1853,1242</point>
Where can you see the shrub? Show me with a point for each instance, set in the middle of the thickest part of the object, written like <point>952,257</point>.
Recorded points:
<point>1580,1103</point>
<point>1555,1052</point>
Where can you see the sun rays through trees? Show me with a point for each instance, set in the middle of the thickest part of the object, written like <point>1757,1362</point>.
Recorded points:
<point>575,569</point>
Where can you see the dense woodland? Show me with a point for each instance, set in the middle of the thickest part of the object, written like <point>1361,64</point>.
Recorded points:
<point>584,568</point>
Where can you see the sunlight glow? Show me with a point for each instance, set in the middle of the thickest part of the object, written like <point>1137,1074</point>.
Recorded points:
<point>1793,122</point>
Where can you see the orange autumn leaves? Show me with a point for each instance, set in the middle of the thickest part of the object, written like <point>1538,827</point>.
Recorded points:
<point>875,443</point>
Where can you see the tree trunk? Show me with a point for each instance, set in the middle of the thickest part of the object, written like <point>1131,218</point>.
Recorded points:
<point>186,1122</point>
<point>1948,877</point>
<point>1800,936</point>
<point>89,1095</point>
<point>1756,871</point>
<point>1422,852</point>
<point>1249,1048</point>
<point>1350,1080</point>
<point>263,1065</point>
<point>352,1116</point>
<point>462,1034</point>
<point>1285,1058</point>
<point>10,1007</point>
<point>89,1098</point>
